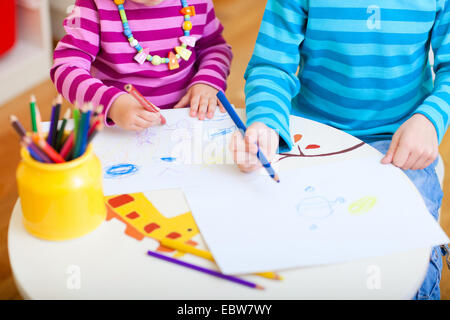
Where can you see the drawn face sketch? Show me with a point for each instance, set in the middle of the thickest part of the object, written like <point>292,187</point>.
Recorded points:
<point>317,207</point>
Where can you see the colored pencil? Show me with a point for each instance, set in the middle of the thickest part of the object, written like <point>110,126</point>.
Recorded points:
<point>81,131</point>
<point>143,101</point>
<point>76,124</point>
<point>17,126</point>
<point>67,146</point>
<point>41,154</point>
<point>91,136</point>
<point>51,138</point>
<point>60,131</point>
<point>32,152</point>
<point>98,111</point>
<point>183,247</point>
<point>205,270</point>
<point>39,121</point>
<point>77,114</point>
<point>87,121</point>
<point>33,113</point>
<point>234,116</point>
<point>49,151</point>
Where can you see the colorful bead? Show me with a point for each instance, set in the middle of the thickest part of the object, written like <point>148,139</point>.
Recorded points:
<point>188,11</point>
<point>127,33</point>
<point>189,41</point>
<point>184,53</point>
<point>187,26</point>
<point>134,42</point>
<point>142,56</point>
<point>173,62</point>
<point>181,51</point>
<point>123,15</point>
<point>156,61</point>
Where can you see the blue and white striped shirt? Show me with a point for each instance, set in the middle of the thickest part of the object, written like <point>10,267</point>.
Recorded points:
<point>360,66</point>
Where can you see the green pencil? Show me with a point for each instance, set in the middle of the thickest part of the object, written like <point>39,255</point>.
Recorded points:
<point>33,113</point>
<point>60,134</point>
<point>76,123</point>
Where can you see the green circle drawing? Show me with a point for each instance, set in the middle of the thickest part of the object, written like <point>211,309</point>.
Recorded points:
<point>362,206</point>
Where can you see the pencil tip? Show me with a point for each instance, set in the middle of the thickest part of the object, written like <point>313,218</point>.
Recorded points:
<point>67,114</point>
<point>13,118</point>
<point>33,98</point>
<point>59,99</point>
<point>259,287</point>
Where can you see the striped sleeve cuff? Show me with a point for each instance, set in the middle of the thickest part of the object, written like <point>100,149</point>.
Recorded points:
<point>436,116</point>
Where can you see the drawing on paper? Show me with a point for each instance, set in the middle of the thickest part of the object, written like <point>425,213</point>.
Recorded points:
<point>147,136</point>
<point>221,132</point>
<point>142,219</point>
<point>317,207</point>
<point>362,206</point>
<point>120,170</point>
<point>302,154</point>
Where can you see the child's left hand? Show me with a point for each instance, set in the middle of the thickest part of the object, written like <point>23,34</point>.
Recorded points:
<point>414,145</point>
<point>202,100</point>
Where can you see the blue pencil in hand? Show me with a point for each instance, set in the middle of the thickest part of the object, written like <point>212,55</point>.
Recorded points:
<point>238,122</point>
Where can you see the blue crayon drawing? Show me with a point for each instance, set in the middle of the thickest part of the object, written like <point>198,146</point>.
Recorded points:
<point>169,159</point>
<point>317,207</point>
<point>120,170</point>
<point>222,132</point>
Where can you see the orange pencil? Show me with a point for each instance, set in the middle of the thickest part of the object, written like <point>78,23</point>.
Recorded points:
<point>144,102</point>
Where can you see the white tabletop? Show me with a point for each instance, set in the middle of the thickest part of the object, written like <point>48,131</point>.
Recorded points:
<point>107,264</point>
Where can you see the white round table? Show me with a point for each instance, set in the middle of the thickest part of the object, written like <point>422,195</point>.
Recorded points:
<point>107,264</point>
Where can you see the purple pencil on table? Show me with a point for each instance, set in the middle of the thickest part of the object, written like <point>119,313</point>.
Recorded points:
<point>205,270</point>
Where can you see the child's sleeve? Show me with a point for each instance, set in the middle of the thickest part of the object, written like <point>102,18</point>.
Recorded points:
<point>437,106</point>
<point>213,54</point>
<point>74,55</point>
<point>271,74</point>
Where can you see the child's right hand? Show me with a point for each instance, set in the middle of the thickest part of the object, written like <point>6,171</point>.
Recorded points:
<point>128,114</point>
<point>245,149</point>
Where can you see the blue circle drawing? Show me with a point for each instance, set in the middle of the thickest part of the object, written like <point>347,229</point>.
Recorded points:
<point>120,170</point>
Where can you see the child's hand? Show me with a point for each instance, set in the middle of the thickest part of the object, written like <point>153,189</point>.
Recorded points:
<point>128,114</point>
<point>245,149</point>
<point>202,100</point>
<point>414,146</point>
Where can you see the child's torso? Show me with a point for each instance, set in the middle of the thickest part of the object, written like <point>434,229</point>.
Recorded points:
<point>156,28</point>
<point>365,60</point>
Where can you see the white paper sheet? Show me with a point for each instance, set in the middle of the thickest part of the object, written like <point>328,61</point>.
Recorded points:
<point>162,157</point>
<point>326,214</point>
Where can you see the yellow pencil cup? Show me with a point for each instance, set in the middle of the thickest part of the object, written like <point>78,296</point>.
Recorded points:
<point>61,201</point>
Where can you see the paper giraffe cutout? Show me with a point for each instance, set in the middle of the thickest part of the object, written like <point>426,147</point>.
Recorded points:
<point>142,220</point>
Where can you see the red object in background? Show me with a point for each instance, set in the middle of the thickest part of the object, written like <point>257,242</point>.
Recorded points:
<point>8,25</point>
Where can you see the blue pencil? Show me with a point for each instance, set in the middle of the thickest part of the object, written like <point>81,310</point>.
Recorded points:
<point>238,122</point>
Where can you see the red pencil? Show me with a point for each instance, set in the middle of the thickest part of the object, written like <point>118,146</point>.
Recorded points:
<point>68,145</point>
<point>49,151</point>
<point>144,102</point>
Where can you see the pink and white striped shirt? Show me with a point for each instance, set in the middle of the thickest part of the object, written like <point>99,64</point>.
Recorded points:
<point>94,61</point>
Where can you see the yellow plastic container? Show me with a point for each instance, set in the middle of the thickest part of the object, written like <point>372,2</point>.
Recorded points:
<point>61,201</point>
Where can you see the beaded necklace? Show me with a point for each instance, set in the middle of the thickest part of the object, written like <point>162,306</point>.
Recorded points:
<point>181,51</point>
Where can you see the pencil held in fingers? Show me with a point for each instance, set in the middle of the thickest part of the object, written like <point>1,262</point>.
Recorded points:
<point>143,101</point>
